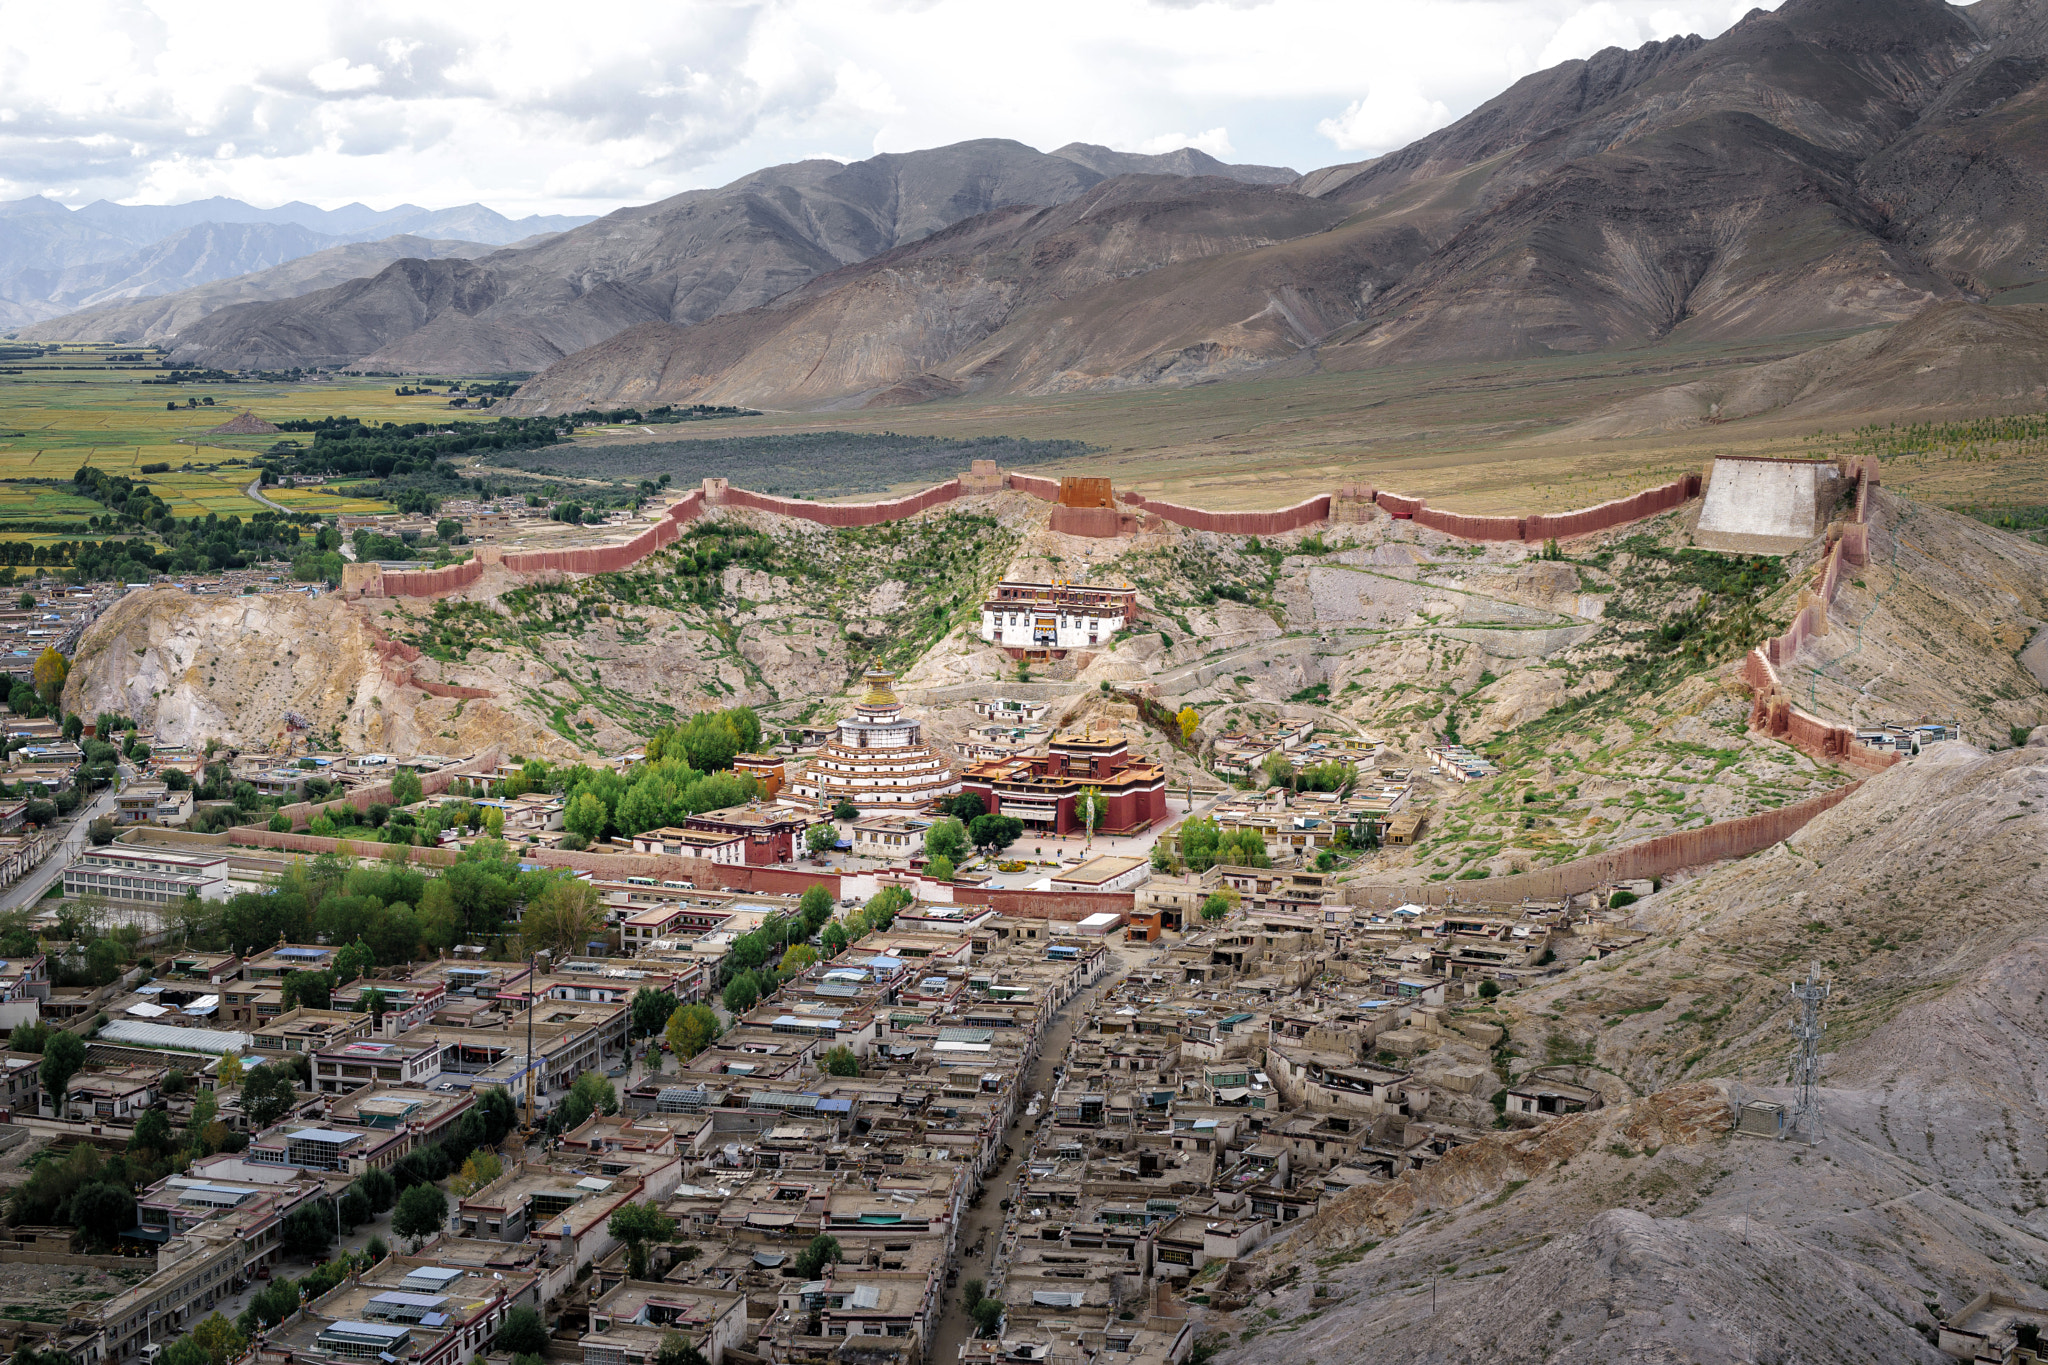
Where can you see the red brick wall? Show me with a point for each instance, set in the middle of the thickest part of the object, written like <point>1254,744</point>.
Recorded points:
<point>585,559</point>
<point>1100,522</point>
<point>311,843</point>
<point>1772,709</point>
<point>845,513</point>
<point>1658,857</point>
<point>1544,525</point>
<point>1467,527</point>
<point>1305,513</point>
<point>1048,489</point>
<point>1070,906</point>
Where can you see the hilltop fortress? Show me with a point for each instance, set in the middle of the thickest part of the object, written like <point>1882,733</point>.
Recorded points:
<point>1755,506</point>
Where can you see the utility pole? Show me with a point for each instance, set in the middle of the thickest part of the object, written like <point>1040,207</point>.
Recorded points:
<point>1806,1031</point>
<point>532,1004</point>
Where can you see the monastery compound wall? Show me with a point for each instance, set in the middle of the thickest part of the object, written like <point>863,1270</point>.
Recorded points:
<point>1085,507</point>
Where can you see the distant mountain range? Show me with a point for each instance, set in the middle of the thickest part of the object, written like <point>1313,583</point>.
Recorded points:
<point>680,261</point>
<point>55,260</point>
<point>1833,165</point>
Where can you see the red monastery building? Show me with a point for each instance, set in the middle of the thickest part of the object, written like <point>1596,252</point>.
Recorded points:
<point>1041,790</point>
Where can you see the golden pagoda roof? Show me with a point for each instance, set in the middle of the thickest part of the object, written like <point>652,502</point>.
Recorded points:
<point>879,692</point>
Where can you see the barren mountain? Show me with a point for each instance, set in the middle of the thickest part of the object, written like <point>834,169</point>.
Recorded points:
<point>55,260</point>
<point>192,256</point>
<point>1788,177</point>
<point>680,261</point>
<point>159,318</point>
<point>1953,354</point>
<point>880,327</point>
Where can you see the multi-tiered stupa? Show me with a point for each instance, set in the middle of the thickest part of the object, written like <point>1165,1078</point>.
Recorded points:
<point>879,758</point>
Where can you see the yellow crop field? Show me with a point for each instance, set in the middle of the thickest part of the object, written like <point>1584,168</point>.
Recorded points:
<point>322,502</point>
<point>81,405</point>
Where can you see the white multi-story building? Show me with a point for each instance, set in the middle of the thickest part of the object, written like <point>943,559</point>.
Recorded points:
<point>1052,618</point>
<point>121,872</point>
<point>879,757</point>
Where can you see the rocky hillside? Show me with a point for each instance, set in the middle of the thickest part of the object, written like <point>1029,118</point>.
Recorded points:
<point>182,666</point>
<point>917,308</point>
<point>1662,1236</point>
<point>680,261</point>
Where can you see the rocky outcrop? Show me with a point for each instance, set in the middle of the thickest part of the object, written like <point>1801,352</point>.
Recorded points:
<point>196,668</point>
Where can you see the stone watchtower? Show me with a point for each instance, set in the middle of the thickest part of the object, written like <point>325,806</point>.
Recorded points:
<point>982,477</point>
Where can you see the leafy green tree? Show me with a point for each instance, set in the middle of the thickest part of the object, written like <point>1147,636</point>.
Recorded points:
<point>587,816</point>
<point>994,833</point>
<point>103,1212</point>
<point>308,1231</point>
<point>421,1212</point>
<point>379,1188</point>
<point>267,1094</point>
<point>63,1057</point>
<point>814,907</point>
<point>840,1061</point>
<point>268,1307</point>
<point>596,1092</point>
<point>406,787</point>
<point>946,839</point>
<point>939,869</point>
<point>812,1260</point>
<point>637,1225</point>
<point>308,990</point>
<point>964,807</point>
<point>741,994</point>
<point>675,1349</point>
<point>522,1333</point>
<point>219,1339</point>
<point>691,1029</point>
<point>651,1011</point>
<point>845,810</point>
<point>821,839</point>
<point>566,916</point>
<point>152,1133</point>
<point>988,1317</point>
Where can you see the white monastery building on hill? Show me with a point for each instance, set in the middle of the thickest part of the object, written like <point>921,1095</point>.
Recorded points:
<point>1033,618</point>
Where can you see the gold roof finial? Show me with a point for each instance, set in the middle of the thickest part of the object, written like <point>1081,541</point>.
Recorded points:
<point>879,692</point>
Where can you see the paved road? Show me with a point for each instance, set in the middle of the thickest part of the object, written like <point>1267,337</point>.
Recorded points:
<point>30,889</point>
<point>255,490</point>
<point>985,1224</point>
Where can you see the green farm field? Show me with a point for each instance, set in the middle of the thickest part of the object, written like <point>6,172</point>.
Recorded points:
<point>89,405</point>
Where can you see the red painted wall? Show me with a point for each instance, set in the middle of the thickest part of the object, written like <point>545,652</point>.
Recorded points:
<point>1048,489</point>
<point>1665,854</point>
<point>845,513</point>
<point>1544,525</point>
<point>1305,513</point>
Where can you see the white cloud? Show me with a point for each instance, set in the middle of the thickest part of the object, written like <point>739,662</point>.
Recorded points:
<point>390,100</point>
<point>338,76</point>
<point>1390,116</point>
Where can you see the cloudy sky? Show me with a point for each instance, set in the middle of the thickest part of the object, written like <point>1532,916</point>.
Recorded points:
<point>583,107</point>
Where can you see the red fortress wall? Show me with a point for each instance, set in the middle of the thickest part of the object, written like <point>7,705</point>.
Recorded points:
<point>1306,513</point>
<point>1772,708</point>
<point>1139,513</point>
<point>1543,525</point>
